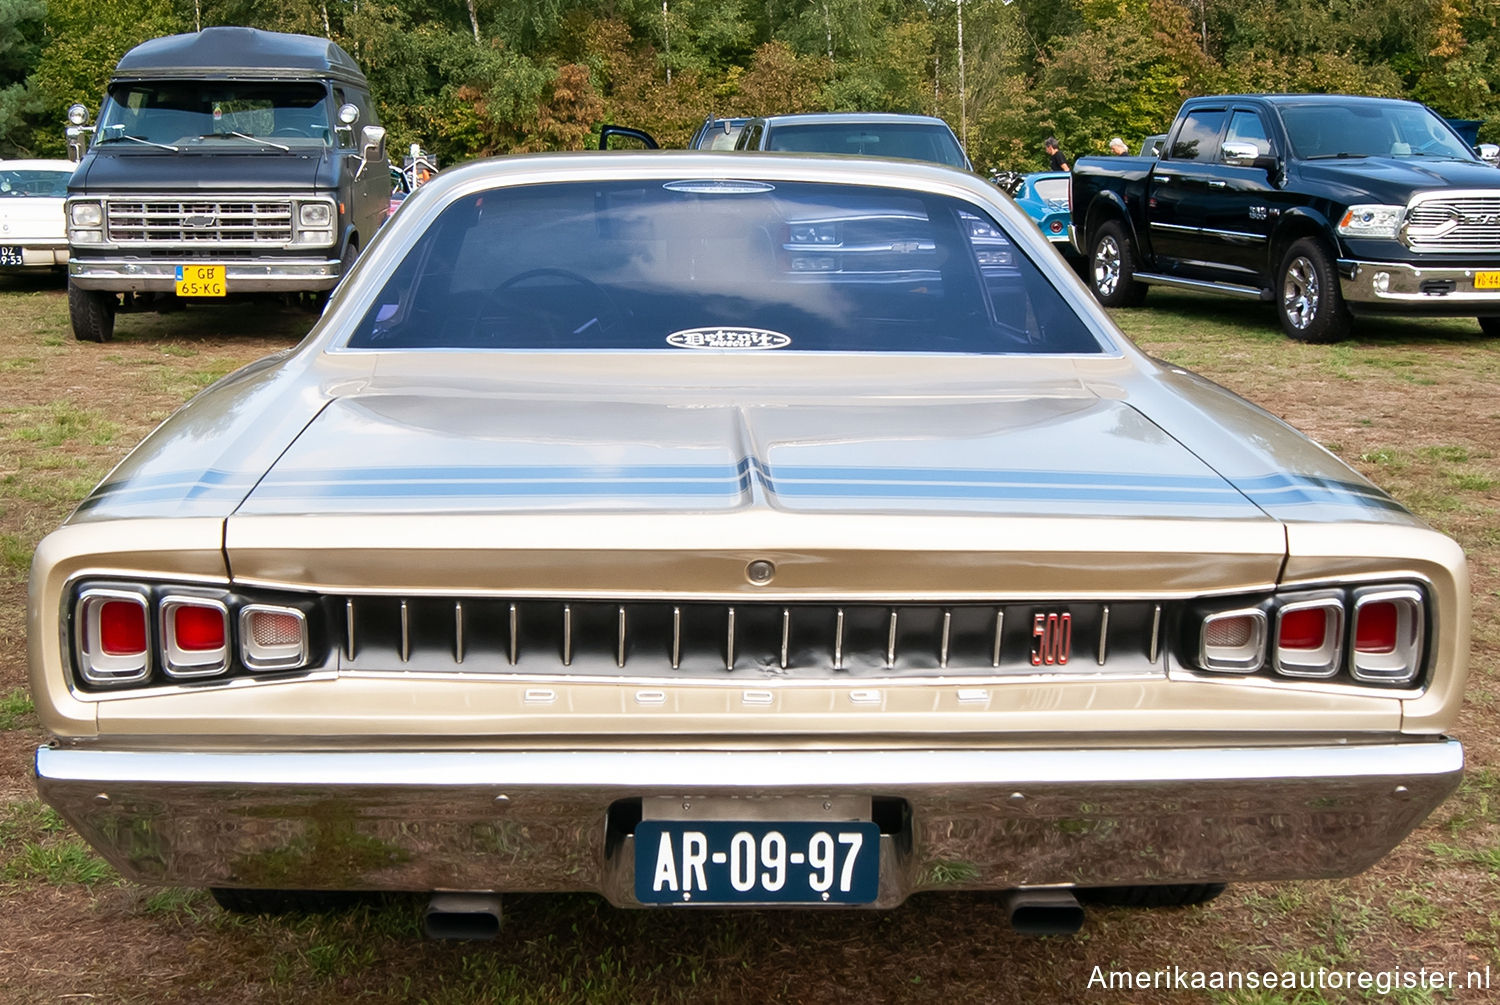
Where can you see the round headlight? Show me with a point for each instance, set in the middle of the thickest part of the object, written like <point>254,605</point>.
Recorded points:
<point>348,114</point>
<point>78,114</point>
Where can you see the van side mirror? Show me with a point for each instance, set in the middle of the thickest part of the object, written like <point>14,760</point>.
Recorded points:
<point>372,147</point>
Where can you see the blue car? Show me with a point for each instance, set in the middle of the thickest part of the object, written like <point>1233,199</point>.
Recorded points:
<point>1044,197</point>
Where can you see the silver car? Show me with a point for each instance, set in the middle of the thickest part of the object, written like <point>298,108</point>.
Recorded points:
<point>736,531</point>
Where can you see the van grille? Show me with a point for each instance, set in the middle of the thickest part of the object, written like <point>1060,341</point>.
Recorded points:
<point>200,221</point>
<point>1456,224</point>
<point>743,641</point>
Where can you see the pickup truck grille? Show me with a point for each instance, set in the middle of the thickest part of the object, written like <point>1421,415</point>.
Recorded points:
<point>744,642</point>
<point>1459,224</point>
<point>200,221</point>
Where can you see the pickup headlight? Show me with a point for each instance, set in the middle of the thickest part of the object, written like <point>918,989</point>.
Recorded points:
<point>86,214</point>
<point>1372,220</point>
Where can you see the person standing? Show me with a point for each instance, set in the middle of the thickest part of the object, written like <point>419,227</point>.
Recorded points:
<point>1054,151</point>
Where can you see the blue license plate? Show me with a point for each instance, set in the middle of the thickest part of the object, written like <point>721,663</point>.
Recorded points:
<point>10,254</point>
<point>756,862</point>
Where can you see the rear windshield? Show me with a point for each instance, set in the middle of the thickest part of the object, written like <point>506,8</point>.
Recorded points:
<point>719,265</point>
<point>916,141</point>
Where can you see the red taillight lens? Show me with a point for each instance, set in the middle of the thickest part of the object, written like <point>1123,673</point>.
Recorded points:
<point>1376,631</point>
<point>198,629</point>
<point>195,636</point>
<point>122,628</point>
<point>1304,629</point>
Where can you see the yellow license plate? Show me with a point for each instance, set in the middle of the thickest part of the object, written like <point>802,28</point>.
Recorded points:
<point>201,281</point>
<point>1487,280</point>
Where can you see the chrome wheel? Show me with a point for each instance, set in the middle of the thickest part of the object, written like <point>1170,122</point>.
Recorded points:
<point>1107,265</point>
<point>1300,293</point>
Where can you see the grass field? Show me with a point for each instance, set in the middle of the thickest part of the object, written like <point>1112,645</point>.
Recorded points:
<point>1414,406</point>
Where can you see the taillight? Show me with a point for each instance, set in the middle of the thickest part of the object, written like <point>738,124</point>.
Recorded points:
<point>1233,641</point>
<point>1309,637</point>
<point>1387,633</point>
<point>112,635</point>
<point>272,638</point>
<point>195,636</point>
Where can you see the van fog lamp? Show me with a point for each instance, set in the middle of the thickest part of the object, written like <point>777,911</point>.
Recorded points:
<point>1381,282</point>
<point>1233,641</point>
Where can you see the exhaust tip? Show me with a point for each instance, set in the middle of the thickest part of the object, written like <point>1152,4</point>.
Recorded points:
<point>1043,911</point>
<point>462,916</point>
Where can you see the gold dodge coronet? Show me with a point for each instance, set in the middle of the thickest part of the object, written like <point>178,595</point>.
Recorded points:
<point>701,529</point>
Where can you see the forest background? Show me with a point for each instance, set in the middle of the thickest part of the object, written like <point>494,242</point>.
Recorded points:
<point>472,78</point>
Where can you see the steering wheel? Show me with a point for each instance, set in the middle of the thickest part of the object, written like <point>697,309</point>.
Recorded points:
<point>561,316</point>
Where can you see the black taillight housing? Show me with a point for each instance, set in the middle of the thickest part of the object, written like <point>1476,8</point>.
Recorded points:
<point>1374,634</point>
<point>132,634</point>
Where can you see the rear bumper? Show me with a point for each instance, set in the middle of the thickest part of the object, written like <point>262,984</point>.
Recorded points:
<point>38,254</point>
<point>159,275</point>
<point>542,821</point>
<point>1402,288</point>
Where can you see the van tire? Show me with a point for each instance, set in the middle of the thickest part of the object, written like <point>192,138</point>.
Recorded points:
<point>92,313</point>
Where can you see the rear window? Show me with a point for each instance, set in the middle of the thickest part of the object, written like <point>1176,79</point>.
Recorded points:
<point>721,265</point>
<point>916,141</point>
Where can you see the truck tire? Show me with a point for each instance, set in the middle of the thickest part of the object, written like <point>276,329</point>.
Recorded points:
<point>1111,268</point>
<point>1168,895</point>
<point>92,313</point>
<point>1490,327</point>
<point>1309,303</point>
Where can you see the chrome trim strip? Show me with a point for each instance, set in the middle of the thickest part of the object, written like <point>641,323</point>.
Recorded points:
<point>1227,289</point>
<point>405,633</point>
<point>890,642</point>
<point>676,636</point>
<point>786,633</point>
<point>514,625</point>
<point>838,641</point>
<point>620,656</point>
<point>947,636</point>
<point>1104,635</point>
<point>999,631</point>
<point>458,631</point>
<point>729,656</point>
<point>1155,633</point>
<point>567,625</point>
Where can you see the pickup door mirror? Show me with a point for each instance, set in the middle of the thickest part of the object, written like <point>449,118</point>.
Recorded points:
<point>1238,154</point>
<point>1489,153</point>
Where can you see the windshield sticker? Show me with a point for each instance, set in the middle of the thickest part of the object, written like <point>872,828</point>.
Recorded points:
<point>710,186</point>
<point>728,338</point>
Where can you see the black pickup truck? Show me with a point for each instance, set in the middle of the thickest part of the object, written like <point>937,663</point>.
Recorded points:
<point>1326,205</point>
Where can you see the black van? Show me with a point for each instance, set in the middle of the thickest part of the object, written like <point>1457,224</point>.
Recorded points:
<point>228,161</point>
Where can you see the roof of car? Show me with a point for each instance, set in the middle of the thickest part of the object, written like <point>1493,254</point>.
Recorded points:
<point>1301,98</point>
<point>37,164</point>
<point>864,117</point>
<point>229,52</point>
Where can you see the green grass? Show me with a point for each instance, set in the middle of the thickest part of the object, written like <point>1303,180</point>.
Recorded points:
<point>16,709</point>
<point>62,423</point>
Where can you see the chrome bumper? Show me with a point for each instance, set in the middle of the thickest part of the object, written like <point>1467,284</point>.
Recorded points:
<point>542,820</point>
<point>159,275</point>
<point>1420,289</point>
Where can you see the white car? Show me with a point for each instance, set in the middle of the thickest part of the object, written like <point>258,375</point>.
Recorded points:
<point>33,231</point>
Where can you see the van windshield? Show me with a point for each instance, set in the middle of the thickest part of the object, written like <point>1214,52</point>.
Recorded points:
<point>180,113</point>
